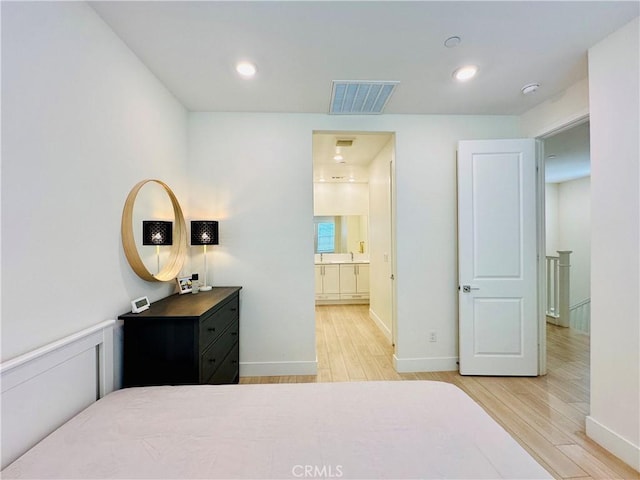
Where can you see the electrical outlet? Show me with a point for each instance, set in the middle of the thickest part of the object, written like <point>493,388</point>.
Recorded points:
<point>433,336</point>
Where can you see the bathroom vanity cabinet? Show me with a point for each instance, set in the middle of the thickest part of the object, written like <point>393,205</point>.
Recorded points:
<point>354,281</point>
<point>327,282</point>
<point>342,283</point>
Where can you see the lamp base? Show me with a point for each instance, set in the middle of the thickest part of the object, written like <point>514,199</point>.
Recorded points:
<point>205,288</point>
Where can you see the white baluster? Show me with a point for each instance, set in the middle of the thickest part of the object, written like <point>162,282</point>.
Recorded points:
<point>564,266</point>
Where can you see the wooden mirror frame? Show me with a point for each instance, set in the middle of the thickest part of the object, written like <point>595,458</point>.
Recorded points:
<point>171,268</point>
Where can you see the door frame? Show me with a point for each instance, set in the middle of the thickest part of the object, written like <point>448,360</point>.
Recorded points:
<point>392,254</point>
<point>392,214</point>
<point>546,132</point>
<point>541,252</point>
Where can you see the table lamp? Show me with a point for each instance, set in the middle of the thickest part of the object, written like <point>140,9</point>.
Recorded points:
<point>157,232</point>
<point>204,232</point>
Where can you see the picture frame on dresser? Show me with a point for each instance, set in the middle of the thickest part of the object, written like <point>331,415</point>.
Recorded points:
<point>184,285</point>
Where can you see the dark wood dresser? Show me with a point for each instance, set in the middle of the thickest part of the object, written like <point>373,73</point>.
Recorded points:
<point>184,339</point>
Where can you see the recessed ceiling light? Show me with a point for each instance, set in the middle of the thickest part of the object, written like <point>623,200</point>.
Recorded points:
<point>246,69</point>
<point>338,158</point>
<point>351,179</point>
<point>452,42</point>
<point>530,88</point>
<point>550,157</point>
<point>465,73</point>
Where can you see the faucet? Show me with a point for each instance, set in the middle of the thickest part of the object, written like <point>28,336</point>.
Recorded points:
<point>351,256</point>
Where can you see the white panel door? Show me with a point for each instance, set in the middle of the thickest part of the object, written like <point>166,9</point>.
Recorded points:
<point>497,257</point>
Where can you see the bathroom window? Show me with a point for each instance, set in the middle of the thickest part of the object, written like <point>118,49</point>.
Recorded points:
<point>326,237</point>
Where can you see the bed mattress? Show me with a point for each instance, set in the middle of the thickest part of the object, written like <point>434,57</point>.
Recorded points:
<point>401,430</point>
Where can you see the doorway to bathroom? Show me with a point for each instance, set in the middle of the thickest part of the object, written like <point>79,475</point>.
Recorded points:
<point>354,238</point>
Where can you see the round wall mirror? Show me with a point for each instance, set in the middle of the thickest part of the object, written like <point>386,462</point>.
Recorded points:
<point>175,258</point>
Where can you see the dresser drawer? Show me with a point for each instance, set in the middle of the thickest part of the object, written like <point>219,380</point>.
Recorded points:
<point>228,372</point>
<point>213,325</point>
<point>213,357</point>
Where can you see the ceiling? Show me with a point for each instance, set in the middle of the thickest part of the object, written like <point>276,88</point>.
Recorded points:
<point>299,47</point>
<point>567,155</point>
<point>354,165</point>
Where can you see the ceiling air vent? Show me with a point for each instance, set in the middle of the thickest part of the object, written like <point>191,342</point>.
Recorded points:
<point>344,142</point>
<point>350,97</point>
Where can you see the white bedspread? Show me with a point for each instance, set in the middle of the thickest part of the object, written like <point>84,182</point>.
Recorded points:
<point>399,430</point>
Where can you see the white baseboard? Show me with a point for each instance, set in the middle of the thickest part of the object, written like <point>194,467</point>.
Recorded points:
<point>432,364</point>
<point>269,369</point>
<point>378,321</point>
<point>557,321</point>
<point>620,447</point>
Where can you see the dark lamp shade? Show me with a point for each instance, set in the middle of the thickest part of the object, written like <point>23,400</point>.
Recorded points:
<point>204,232</point>
<point>156,232</point>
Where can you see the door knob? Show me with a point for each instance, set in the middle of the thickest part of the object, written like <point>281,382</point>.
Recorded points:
<point>468,288</point>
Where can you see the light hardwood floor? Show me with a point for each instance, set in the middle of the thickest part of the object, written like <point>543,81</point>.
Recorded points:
<point>546,415</point>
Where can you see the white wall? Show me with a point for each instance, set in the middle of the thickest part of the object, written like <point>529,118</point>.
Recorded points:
<point>574,220</point>
<point>568,227</point>
<point>253,172</point>
<point>551,219</point>
<point>258,185</point>
<point>380,256</point>
<point>563,109</point>
<point>82,121</point>
<point>614,97</point>
<point>340,198</point>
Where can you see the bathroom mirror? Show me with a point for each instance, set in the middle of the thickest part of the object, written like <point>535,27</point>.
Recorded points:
<point>341,234</point>
<point>151,201</point>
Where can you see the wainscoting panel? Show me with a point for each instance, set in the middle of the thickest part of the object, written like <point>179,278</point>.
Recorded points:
<point>580,316</point>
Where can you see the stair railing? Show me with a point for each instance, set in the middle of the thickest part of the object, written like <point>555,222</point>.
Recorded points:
<point>558,288</point>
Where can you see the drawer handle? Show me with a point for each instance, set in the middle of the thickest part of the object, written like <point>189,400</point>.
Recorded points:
<point>211,329</point>
<point>234,333</point>
<point>233,309</point>
<point>212,360</point>
<point>234,362</point>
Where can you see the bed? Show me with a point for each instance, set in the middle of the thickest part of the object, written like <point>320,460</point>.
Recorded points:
<point>412,429</point>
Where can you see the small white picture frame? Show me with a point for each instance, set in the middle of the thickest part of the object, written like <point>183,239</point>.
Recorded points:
<point>184,284</point>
